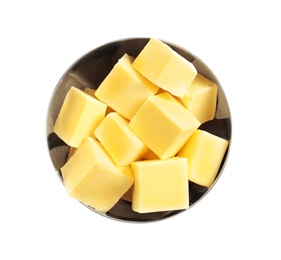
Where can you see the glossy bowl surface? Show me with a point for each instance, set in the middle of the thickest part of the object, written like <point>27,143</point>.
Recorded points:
<point>89,71</point>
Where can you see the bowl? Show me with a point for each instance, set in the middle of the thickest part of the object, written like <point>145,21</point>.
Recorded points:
<point>88,72</point>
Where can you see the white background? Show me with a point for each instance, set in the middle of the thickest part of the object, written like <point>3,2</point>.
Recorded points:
<point>240,42</point>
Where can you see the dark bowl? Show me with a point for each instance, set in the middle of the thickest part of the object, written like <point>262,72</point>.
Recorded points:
<point>88,72</point>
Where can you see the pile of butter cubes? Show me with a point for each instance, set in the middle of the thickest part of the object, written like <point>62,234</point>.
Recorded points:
<point>136,137</point>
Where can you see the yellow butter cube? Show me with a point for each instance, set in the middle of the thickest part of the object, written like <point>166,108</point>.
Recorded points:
<point>92,93</point>
<point>204,152</point>
<point>164,124</point>
<point>79,116</point>
<point>201,98</point>
<point>124,89</point>
<point>122,144</point>
<point>165,68</point>
<point>160,185</point>
<point>91,177</point>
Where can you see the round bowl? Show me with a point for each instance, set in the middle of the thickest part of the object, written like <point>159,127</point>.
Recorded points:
<point>88,72</point>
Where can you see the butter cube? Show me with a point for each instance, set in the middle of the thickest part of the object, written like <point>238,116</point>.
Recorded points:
<point>124,89</point>
<point>79,116</point>
<point>92,93</point>
<point>165,68</point>
<point>204,152</point>
<point>91,177</point>
<point>164,124</point>
<point>160,185</point>
<point>201,98</point>
<point>121,143</point>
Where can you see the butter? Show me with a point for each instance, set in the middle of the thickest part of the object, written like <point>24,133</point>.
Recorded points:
<point>204,152</point>
<point>92,93</point>
<point>124,89</point>
<point>201,98</point>
<point>91,177</point>
<point>164,124</point>
<point>165,68</point>
<point>121,143</point>
<point>79,116</point>
<point>160,185</point>
<point>136,137</point>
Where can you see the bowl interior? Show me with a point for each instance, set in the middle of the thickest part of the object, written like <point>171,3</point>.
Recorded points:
<point>89,71</point>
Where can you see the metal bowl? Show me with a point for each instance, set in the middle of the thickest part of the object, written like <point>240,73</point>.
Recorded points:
<point>88,72</point>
